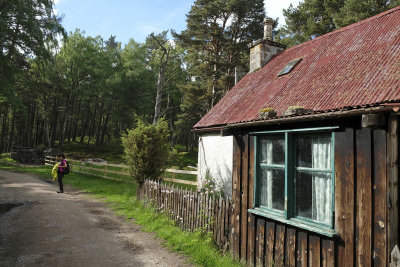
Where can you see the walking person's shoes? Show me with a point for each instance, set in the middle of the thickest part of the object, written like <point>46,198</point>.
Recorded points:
<point>59,192</point>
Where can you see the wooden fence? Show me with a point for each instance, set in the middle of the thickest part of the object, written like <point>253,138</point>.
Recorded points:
<point>87,168</point>
<point>191,210</point>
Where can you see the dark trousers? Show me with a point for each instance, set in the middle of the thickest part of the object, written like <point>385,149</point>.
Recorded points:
<point>60,176</point>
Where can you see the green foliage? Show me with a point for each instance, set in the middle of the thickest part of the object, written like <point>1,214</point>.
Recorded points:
<point>6,159</point>
<point>146,150</point>
<point>215,41</point>
<point>313,18</point>
<point>112,152</point>
<point>165,61</point>
<point>27,27</point>
<point>355,10</point>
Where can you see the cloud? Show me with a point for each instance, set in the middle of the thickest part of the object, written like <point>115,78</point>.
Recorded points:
<point>274,8</point>
<point>149,28</point>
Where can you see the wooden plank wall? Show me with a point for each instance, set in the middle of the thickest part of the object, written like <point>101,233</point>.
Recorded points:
<point>361,209</point>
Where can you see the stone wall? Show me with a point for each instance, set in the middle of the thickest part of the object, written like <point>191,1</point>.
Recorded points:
<point>28,155</point>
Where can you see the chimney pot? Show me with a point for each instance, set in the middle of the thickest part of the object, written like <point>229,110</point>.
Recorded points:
<point>261,51</point>
<point>268,22</point>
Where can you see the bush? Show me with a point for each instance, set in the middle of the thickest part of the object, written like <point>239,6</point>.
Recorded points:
<point>146,150</point>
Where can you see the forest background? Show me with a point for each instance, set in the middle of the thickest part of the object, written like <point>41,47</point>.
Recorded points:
<point>59,88</point>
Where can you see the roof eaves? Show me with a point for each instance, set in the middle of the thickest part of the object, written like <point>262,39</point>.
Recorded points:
<point>319,115</point>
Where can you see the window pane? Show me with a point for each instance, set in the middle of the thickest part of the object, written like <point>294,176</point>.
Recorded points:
<point>272,188</point>
<point>313,196</point>
<point>313,152</point>
<point>273,149</point>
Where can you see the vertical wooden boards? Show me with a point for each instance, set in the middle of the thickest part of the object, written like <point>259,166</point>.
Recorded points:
<point>236,197</point>
<point>314,251</point>
<point>392,183</point>
<point>279,245</point>
<point>344,196</point>
<point>302,248</point>
<point>290,257</point>
<point>251,231</point>
<point>260,242</point>
<point>328,253</point>
<point>221,222</point>
<point>251,240</point>
<point>216,220</point>
<point>379,198</point>
<point>226,221</point>
<point>251,172</point>
<point>244,195</point>
<point>270,244</point>
<point>364,198</point>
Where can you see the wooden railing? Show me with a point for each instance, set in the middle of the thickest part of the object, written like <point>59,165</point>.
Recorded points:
<point>104,169</point>
<point>190,210</point>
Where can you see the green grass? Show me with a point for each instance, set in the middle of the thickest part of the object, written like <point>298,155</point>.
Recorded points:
<point>181,176</point>
<point>122,198</point>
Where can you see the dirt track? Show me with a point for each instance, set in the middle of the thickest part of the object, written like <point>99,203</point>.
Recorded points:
<point>71,229</point>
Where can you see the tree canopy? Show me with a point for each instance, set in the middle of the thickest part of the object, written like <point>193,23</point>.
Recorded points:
<point>28,28</point>
<point>58,88</point>
<point>313,18</point>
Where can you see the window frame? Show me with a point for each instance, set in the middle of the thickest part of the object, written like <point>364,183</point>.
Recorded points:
<point>288,215</point>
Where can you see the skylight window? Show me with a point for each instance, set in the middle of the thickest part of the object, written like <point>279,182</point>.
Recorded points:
<point>289,67</point>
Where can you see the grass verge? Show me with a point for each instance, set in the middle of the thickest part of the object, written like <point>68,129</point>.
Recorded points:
<point>122,198</point>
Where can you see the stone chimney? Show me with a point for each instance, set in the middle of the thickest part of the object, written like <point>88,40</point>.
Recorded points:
<point>262,50</point>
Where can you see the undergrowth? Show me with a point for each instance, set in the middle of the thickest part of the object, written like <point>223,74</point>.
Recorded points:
<point>122,198</point>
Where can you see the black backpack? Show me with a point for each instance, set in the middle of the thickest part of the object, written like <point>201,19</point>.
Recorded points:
<point>67,169</point>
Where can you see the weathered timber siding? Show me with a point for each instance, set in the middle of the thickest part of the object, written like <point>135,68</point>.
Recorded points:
<point>366,206</point>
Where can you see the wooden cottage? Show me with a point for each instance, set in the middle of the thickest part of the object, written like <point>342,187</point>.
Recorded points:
<point>315,146</point>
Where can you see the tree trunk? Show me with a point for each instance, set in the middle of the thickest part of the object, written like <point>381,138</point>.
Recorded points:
<point>11,139</point>
<point>53,124</point>
<point>4,131</point>
<point>104,128</point>
<point>99,124</point>
<point>157,108</point>
<point>85,126</point>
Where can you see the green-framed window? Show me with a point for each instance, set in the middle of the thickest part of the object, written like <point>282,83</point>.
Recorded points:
<point>294,177</point>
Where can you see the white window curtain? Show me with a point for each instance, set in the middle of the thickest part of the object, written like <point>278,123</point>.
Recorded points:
<point>321,182</point>
<point>266,185</point>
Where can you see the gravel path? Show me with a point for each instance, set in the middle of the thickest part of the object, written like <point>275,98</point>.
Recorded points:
<point>39,227</point>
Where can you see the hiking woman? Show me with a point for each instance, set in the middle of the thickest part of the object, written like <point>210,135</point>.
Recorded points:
<point>60,171</point>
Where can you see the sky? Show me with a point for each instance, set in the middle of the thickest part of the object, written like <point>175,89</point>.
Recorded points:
<point>136,18</point>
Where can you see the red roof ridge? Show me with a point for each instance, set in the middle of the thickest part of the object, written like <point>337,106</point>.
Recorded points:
<point>348,27</point>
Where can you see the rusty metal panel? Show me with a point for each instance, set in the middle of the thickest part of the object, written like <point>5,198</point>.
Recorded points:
<point>353,66</point>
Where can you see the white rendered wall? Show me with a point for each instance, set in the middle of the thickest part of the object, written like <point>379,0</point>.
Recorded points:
<point>216,155</point>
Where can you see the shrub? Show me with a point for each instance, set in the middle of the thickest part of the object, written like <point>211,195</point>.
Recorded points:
<point>146,150</point>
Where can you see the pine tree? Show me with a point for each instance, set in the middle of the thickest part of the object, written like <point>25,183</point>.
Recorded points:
<point>313,18</point>
<point>26,29</point>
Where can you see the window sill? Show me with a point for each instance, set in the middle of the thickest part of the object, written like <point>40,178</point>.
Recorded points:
<point>295,222</point>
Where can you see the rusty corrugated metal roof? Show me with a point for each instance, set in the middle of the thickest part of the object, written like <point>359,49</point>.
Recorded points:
<point>353,66</point>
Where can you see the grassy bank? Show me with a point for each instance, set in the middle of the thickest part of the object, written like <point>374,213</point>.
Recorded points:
<point>121,196</point>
